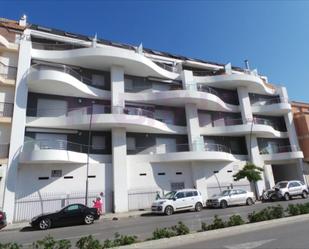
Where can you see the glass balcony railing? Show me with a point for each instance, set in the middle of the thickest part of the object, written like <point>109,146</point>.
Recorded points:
<point>133,111</point>
<point>276,100</point>
<point>58,46</point>
<point>274,149</point>
<point>169,68</point>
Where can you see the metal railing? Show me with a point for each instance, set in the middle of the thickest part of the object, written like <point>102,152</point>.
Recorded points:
<point>217,147</point>
<point>6,109</point>
<point>57,112</point>
<point>166,67</point>
<point>227,122</point>
<point>276,100</point>
<point>263,121</point>
<point>208,72</point>
<point>56,144</point>
<point>274,149</point>
<point>4,150</point>
<point>64,69</point>
<point>133,111</point>
<point>8,72</point>
<point>59,46</point>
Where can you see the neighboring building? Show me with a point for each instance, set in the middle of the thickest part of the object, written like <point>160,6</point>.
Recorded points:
<point>301,120</point>
<point>154,121</point>
<point>10,33</point>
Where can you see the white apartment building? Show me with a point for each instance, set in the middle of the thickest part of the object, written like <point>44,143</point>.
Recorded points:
<point>136,121</point>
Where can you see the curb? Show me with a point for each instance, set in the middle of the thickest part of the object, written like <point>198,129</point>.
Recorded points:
<point>215,234</point>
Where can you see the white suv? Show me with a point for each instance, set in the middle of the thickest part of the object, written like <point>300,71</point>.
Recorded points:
<point>288,189</point>
<point>185,199</point>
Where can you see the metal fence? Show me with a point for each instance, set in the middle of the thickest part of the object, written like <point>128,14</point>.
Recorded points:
<point>36,204</point>
<point>141,200</point>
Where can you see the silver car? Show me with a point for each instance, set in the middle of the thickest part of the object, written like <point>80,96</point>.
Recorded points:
<point>231,197</point>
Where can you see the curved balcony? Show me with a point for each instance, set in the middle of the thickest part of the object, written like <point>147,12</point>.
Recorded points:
<point>209,152</point>
<point>6,45</point>
<point>281,154</point>
<point>56,151</point>
<point>133,119</point>
<point>101,58</point>
<point>206,100</point>
<point>235,127</point>
<point>62,80</point>
<point>273,106</point>
<point>254,83</point>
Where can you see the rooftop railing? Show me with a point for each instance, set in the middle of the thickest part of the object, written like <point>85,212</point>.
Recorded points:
<point>58,46</point>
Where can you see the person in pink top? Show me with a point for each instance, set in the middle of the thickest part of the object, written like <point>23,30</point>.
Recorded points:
<point>98,205</point>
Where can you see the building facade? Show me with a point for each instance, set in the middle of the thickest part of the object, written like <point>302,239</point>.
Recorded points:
<point>129,121</point>
<point>10,34</point>
<point>301,120</point>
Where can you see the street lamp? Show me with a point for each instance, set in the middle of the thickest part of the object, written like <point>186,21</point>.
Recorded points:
<point>88,152</point>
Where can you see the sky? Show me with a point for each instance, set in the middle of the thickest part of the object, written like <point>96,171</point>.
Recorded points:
<point>272,35</point>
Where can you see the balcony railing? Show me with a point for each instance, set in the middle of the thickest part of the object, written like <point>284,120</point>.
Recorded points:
<point>6,109</point>
<point>227,122</point>
<point>7,72</point>
<point>208,72</point>
<point>263,121</point>
<point>163,149</point>
<point>166,67</point>
<point>58,46</point>
<point>49,144</point>
<point>4,150</point>
<point>201,88</point>
<point>133,111</point>
<point>64,69</point>
<point>276,100</point>
<point>78,111</point>
<point>274,149</point>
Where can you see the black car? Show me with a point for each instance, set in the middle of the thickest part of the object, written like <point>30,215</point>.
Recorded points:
<point>70,215</point>
<point>2,220</point>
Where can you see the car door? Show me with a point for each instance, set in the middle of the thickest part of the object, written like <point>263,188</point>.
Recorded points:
<point>180,202</point>
<point>70,215</point>
<point>241,196</point>
<point>297,188</point>
<point>190,199</point>
<point>233,198</point>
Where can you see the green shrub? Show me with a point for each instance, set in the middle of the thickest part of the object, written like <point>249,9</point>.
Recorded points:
<point>160,233</point>
<point>217,223</point>
<point>269,213</point>
<point>235,220</point>
<point>10,246</point>
<point>121,240</point>
<point>180,229</point>
<point>292,210</point>
<point>88,243</point>
<point>50,243</point>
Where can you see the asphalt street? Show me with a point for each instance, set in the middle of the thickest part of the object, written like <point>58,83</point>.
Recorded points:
<point>142,226</point>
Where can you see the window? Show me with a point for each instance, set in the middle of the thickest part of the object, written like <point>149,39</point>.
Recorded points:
<point>189,194</point>
<point>240,191</point>
<point>72,208</point>
<point>161,174</point>
<point>180,195</point>
<point>43,178</point>
<point>177,185</point>
<point>98,143</point>
<point>195,193</point>
<point>68,177</point>
<point>91,176</point>
<point>56,173</point>
<point>178,173</point>
<point>98,80</point>
<point>128,84</point>
<point>131,143</point>
<point>142,174</point>
<point>233,192</point>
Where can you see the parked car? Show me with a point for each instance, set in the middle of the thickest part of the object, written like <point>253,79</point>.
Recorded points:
<point>70,215</point>
<point>185,199</point>
<point>285,190</point>
<point>231,197</point>
<point>3,222</point>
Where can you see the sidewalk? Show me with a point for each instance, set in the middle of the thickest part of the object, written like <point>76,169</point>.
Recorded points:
<point>108,216</point>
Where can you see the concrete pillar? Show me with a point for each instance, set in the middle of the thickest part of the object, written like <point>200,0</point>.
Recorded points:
<point>251,140</point>
<point>119,143</point>
<point>196,141</point>
<point>199,179</point>
<point>188,80</point>
<point>18,128</point>
<point>269,177</point>
<point>119,150</point>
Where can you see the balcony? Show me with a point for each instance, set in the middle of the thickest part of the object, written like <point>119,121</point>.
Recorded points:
<point>4,152</point>
<point>131,118</point>
<point>63,80</point>
<point>272,106</point>
<point>181,153</point>
<point>6,112</point>
<point>8,44</point>
<point>56,151</point>
<point>7,74</point>
<point>236,127</point>
<point>276,154</point>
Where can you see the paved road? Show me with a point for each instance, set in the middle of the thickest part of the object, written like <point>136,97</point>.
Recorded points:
<point>283,236</point>
<point>141,226</point>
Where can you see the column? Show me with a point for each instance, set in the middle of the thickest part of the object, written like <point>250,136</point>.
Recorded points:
<point>199,179</point>
<point>18,128</point>
<point>251,140</point>
<point>119,143</point>
<point>196,141</point>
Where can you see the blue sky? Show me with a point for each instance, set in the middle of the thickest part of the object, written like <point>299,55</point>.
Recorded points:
<point>272,35</point>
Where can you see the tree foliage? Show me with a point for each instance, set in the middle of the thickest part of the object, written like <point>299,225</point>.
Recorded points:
<point>249,171</point>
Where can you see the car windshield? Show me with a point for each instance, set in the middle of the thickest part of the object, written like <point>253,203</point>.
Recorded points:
<point>169,195</point>
<point>224,193</point>
<point>281,185</point>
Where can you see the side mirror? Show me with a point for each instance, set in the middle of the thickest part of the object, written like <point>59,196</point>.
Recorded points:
<point>174,198</point>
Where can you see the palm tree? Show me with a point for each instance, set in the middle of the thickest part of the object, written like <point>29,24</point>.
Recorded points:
<point>252,173</point>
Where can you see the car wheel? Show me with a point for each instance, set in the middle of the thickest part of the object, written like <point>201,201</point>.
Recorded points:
<point>198,207</point>
<point>169,210</point>
<point>286,197</point>
<point>89,219</point>
<point>304,195</point>
<point>249,202</point>
<point>45,224</point>
<point>223,204</point>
